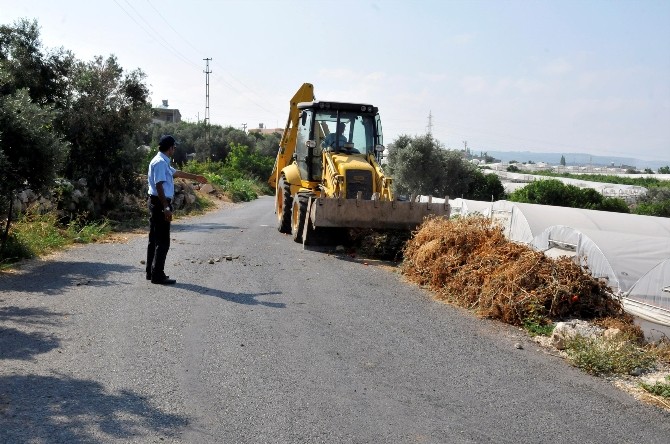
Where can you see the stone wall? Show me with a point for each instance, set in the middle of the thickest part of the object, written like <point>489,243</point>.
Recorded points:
<point>72,198</point>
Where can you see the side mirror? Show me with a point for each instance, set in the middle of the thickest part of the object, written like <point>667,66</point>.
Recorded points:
<point>379,148</point>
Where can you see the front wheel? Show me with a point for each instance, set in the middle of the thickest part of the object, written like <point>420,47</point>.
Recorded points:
<point>283,205</point>
<point>299,216</point>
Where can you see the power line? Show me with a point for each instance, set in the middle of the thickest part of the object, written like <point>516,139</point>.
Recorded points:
<point>180,56</point>
<point>217,65</point>
<point>170,25</point>
<point>165,45</point>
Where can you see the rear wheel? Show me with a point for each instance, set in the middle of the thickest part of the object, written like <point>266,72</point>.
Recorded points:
<point>284,203</point>
<point>299,216</point>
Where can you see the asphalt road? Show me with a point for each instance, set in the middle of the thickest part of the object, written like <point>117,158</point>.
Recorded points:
<point>277,345</point>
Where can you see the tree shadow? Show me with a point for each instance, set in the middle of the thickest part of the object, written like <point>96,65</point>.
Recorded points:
<point>240,298</point>
<point>28,316</point>
<point>52,277</point>
<point>63,409</point>
<point>17,344</point>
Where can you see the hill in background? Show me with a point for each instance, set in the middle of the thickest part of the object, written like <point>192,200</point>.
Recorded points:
<point>577,159</point>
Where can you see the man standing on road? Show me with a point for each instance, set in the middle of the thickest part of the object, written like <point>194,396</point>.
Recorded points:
<point>161,192</point>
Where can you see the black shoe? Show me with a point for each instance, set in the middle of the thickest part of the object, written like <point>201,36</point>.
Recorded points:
<point>165,281</point>
<point>148,276</point>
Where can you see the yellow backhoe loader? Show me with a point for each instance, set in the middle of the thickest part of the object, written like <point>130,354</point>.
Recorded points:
<point>328,175</point>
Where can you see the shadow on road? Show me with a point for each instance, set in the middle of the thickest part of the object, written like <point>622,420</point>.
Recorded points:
<point>62,409</point>
<point>240,298</point>
<point>52,277</point>
<point>17,344</point>
<point>201,227</point>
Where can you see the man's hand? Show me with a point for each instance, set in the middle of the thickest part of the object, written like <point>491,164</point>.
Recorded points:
<point>189,176</point>
<point>168,214</point>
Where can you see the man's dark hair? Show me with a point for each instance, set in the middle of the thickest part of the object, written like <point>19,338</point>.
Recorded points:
<point>166,142</point>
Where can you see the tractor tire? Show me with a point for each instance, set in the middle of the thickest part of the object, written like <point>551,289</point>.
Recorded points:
<point>283,205</point>
<point>299,216</point>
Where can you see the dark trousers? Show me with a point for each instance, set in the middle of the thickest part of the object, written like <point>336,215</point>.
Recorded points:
<point>159,239</point>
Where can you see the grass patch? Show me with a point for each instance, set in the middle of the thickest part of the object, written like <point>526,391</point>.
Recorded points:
<point>661,389</point>
<point>536,327</point>
<point>203,204</point>
<point>86,232</point>
<point>661,350</point>
<point>34,235</point>
<point>602,356</point>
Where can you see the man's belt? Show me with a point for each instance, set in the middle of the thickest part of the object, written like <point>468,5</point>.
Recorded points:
<point>155,199</point>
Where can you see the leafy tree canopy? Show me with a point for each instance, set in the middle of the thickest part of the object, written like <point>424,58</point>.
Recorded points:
<point>421,165</point>
<point>105,122</point>
<point>30,66</point>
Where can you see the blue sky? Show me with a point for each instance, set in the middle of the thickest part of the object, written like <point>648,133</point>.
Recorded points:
<point>586,76</point>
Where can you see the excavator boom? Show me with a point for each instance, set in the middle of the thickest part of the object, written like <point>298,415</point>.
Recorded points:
<point>288,140</point>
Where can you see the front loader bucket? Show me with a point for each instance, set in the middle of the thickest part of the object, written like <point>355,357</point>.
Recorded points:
<point>376,214</point>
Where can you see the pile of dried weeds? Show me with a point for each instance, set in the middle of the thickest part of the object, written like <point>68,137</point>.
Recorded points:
<point>469,262</point>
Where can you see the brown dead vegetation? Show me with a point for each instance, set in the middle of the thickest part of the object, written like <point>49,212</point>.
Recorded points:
<point>469,262</point>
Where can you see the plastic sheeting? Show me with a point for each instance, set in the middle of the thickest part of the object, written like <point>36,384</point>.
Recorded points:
<point>464,207</point>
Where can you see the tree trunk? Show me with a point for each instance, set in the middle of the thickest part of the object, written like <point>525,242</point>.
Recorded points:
<point>5,234</point>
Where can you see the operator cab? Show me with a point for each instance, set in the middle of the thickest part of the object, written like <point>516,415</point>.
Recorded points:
<point>347,128</point>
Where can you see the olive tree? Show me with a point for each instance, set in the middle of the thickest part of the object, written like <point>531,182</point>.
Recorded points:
<point>421,165</point>
<point>106,122</point>
<point>32,83</point>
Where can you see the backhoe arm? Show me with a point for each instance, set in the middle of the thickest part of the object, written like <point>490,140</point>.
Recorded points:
<point>288,140</point>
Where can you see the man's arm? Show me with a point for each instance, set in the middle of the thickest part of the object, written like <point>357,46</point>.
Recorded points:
<point>184,175</point>
<point>167,209</point>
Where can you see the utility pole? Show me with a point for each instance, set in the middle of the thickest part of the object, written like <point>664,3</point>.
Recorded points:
<point>244,127</point>
<point>207,72</point>
<point>430,122</point>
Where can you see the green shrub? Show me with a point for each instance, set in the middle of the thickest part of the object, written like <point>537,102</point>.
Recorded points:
<point>241,190</point>
<point>537,328</point>
<point>659,388</point>
<point>660,209</point>
<point>598,356</point>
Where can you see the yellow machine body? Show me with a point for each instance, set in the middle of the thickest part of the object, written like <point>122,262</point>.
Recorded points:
<point>328,172</point>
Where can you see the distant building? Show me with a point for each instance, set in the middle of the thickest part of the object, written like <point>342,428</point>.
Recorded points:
<point>164,113</point>
<point>266,131</point>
